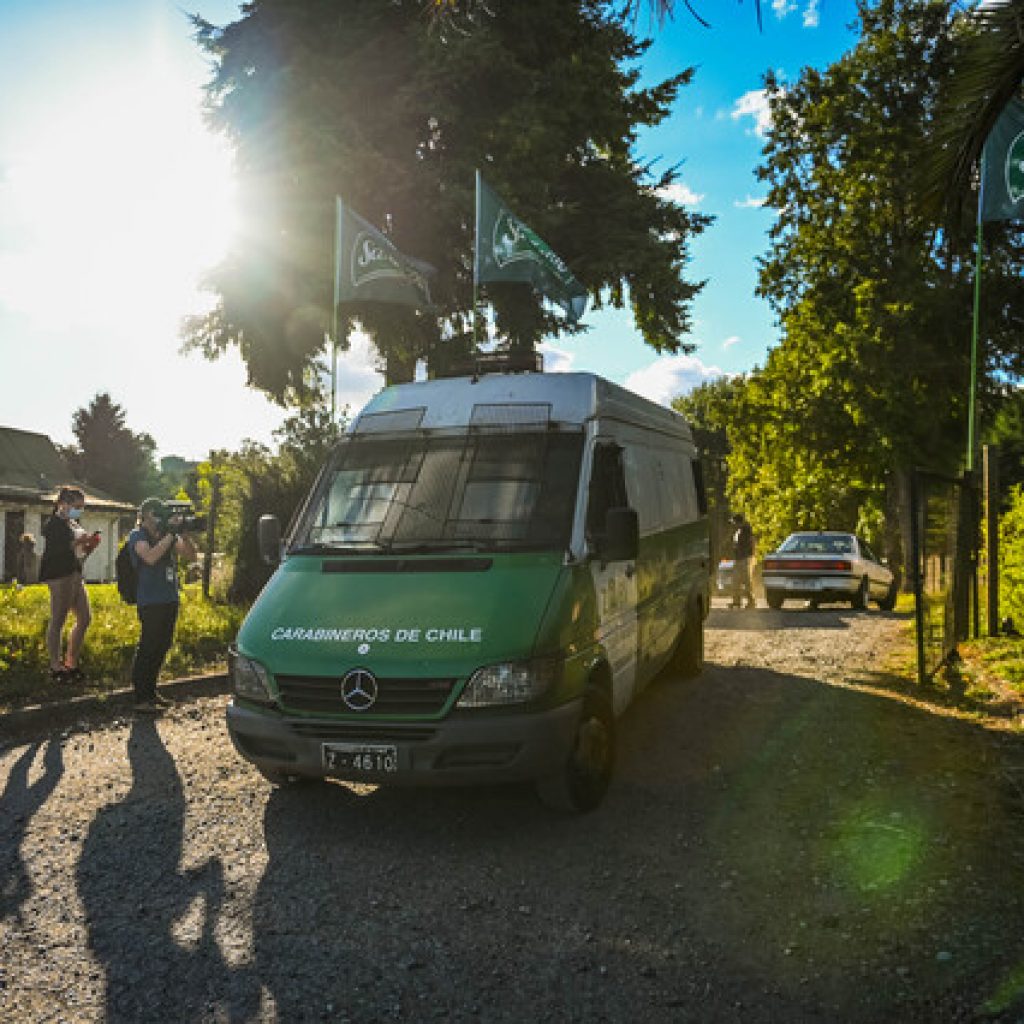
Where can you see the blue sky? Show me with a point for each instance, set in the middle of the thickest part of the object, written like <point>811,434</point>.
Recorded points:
<point>113,199</point>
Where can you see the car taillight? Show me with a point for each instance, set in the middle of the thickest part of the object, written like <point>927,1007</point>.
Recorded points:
<point>809,564</point>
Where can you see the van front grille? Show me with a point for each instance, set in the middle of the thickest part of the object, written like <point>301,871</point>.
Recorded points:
<point>394,696</point>
<point>368,732</point>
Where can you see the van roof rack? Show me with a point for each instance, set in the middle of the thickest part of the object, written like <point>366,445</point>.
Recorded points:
<point>496,362</point>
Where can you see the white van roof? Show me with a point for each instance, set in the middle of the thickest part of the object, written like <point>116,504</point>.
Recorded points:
<point>512,399</point>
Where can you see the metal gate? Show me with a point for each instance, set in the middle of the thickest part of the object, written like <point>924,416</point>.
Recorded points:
<point>943,537</point>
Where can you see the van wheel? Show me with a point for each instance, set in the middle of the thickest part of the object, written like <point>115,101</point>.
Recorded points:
<point>583,780</point>
<point>688,657</point>
<point>860,599</point>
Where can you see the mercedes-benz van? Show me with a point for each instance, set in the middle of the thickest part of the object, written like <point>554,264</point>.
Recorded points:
<point>486,573</point>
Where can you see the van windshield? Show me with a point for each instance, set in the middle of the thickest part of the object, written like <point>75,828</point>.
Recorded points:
<point>475,490</point>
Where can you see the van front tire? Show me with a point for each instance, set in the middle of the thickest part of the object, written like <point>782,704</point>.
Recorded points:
<point>580,785</point>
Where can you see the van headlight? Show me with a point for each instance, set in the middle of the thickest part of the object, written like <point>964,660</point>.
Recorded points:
<point>510,682</point>
<point>249,678</point>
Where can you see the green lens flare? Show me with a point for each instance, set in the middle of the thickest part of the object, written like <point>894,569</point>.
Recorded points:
<point>876,847</point>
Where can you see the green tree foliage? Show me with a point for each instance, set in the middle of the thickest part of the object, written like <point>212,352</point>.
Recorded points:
<point>393,111</point>
<point>178,478</point>
<point>871,374</point>
<point>1006,434</point>
<point>1011,569</point>
<point>110,456</point>
<point>710,408</point>
<point>255,481</point>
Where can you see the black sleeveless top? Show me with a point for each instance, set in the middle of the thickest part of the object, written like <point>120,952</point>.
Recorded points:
<point>58,556</point>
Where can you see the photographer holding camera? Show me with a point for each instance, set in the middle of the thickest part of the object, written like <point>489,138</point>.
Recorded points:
<point>155,544</point>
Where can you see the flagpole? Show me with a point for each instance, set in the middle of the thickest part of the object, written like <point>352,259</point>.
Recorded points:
<point>974,322</point>
<point>337,297</point>
<point>476,261</point>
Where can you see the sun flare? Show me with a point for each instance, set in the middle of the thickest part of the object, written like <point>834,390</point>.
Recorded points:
<point>124,200</point>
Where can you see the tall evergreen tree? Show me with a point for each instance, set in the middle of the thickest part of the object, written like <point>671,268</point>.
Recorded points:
<point>110,456</point>
<point>374,102</point>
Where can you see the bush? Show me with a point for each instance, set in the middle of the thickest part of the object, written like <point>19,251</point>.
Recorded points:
<point>1011,561</point>
<point>203,632</point>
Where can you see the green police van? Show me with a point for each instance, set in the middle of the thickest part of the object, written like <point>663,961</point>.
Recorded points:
<point>486,573</point>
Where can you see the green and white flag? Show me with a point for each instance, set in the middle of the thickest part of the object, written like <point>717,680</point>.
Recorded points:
<point>508,250</point>
<point>367,266</point>
<point>1002,164</point>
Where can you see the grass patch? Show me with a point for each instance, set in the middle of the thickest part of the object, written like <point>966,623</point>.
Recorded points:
<point>996,662</point>
<point>985,683</point>
<point>203,632</point>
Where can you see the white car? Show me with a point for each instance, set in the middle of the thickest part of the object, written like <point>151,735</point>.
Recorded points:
<point>827,566</point>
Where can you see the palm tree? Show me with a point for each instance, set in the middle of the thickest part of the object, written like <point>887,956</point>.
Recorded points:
<point>989,70</point>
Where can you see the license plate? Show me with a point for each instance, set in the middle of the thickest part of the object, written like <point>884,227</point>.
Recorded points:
<point>360,757</point>
<point>795,584</point>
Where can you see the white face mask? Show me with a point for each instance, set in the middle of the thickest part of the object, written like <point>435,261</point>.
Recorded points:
<point>74,513</point>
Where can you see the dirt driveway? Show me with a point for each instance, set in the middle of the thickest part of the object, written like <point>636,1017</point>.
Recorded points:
<point>785,841</point>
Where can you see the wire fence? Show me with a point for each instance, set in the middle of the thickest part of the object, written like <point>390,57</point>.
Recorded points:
<point>943,565</point>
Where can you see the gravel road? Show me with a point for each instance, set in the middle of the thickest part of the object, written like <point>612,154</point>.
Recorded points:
<point>785,841</point>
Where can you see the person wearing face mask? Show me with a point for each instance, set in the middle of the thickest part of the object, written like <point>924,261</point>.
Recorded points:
<point>60,568</point>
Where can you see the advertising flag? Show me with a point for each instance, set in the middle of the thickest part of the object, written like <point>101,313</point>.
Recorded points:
<point>508,250</point>
<point>367,266</point>
<point>1002,166</point>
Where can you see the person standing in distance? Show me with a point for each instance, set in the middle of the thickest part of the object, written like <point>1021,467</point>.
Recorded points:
<point>61,570</point>
<point>27,565</point>
<point>743,555</point>
<point>154,547</point>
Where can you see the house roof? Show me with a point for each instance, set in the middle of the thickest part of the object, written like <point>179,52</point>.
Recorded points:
<point>32,470</point>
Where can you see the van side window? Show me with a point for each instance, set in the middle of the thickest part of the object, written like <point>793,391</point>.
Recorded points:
<point>607,486</point>
<point>698,483</point>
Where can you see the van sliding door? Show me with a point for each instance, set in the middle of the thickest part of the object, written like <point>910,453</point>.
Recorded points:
<point>615,583</point>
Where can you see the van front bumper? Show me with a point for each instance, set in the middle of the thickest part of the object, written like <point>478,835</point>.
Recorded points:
<point>465,749</point>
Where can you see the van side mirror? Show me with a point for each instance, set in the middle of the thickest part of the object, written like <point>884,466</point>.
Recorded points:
<point>268,532</point>
<point>620,541</point>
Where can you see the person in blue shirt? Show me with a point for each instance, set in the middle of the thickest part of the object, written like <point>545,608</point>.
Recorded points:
<point>155,547</point>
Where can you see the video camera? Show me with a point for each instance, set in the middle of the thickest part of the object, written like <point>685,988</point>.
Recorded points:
<point>190,522</point>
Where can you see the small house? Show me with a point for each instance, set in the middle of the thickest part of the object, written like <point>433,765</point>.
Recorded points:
<point>31,473</point>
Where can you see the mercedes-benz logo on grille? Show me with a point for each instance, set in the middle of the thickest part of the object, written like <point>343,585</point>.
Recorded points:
<point>359,689</point>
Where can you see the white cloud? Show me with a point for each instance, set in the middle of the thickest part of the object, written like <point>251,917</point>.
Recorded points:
<point>811,15</point>
<point>670,376</point>
<point>358,377</point>
<point>556,360</point>
<point>682,194</point>
<point>750,203</point>
<point>729,342</point>
<point>753,104</point>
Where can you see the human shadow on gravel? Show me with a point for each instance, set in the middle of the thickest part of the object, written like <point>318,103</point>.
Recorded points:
<point>18,804</point>
<point>772,849</point>
<point>151,925</point>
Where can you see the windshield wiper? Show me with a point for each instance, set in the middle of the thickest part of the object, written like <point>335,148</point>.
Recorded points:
<point>430,547</point>
<point>319,548</point>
